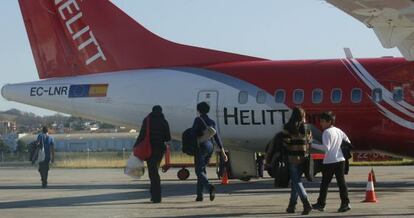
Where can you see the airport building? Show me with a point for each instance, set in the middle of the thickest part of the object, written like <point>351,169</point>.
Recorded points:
<point>93,141</point>
<point>7,127</point>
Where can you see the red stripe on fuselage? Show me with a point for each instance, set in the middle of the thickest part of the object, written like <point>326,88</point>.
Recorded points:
<point>363,121</point>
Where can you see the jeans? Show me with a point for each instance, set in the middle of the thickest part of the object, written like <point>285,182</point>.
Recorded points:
<point>328,171</point>
<point>44,170</point>
<point>201,159</point>
<point>297,189</point>
<point>153,164</point>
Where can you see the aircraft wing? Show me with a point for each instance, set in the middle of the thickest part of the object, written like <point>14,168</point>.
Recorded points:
<point>391,20</point>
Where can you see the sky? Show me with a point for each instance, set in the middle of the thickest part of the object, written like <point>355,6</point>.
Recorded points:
<point>272,29</point>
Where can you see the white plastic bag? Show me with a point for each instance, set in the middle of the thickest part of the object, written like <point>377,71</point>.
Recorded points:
<point>40,155</point>
<point>134,167</point>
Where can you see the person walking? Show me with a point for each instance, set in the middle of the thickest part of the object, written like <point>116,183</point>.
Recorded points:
<point>205,150</point>
<point>159,135</point>
<point>260,157</point>
<point>47,142</point>
<point>296,139</point>
<point>333,163</point>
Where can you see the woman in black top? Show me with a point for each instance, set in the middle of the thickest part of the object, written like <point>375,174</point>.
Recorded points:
<point>159,135</point>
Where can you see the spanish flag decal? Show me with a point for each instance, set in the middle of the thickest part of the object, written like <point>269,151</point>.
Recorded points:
<point>88,90</point>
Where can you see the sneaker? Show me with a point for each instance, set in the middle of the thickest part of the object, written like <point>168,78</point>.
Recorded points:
<point>199,199</point>
<point>344,208</point>
<point>306,209</point>
<point>212,193</point>
<point>153,200</point>
<point>290,210</point>
<point>318,207</point>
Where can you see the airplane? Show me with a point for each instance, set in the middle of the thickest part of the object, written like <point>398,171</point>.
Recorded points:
<point>96,62</point>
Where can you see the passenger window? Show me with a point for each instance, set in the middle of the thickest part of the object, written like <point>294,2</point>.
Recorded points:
<point>317,96</point>
<point>280,96</point>
<point>336,96</point>
<point>261,97</point>
<point>243,97</point>
<point>356,95</point>
<point>298,96</point>
<point>398,94</point>
<point>377,95</point>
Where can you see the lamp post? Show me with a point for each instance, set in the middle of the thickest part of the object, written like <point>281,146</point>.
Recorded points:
<point>88,157</point>
<point>123,153</point>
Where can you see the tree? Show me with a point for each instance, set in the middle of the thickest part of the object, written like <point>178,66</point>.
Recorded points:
<point>106,126</point>
<point>22,147</point>
<point>5,148</point>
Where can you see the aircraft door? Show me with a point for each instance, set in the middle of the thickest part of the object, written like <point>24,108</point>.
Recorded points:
<point>211,97</point>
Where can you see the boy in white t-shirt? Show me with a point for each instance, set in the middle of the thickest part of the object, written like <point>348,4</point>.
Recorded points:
<point>333,163</point>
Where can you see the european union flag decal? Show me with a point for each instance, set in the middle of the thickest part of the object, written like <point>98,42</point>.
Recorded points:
<point>88,90</point>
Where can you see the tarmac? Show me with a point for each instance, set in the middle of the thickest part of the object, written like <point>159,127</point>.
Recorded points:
<point>109,193</point>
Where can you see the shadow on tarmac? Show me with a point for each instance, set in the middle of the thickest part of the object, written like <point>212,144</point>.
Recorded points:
<point>283,213</point>
<point>170,189</point>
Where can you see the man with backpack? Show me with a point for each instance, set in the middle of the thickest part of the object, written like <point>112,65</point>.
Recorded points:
<point>47,144</point>
<point>204,129</point>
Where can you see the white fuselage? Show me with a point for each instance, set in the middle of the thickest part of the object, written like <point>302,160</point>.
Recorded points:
<point>131,95</point>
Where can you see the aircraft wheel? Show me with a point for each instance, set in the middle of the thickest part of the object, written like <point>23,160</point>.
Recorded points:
<point>183,174</point>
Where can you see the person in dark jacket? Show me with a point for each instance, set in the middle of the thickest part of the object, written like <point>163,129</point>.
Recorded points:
<point>203,155</point>
<point>159,135</point>
<point>260,157</point>
<point>48,144</point>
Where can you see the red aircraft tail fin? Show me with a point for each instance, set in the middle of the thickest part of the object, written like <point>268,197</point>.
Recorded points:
<point>74,37</point>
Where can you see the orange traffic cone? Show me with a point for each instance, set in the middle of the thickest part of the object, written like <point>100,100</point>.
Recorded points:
<point>373,176</point>
<point>370,193</point>
<point>225,178</point>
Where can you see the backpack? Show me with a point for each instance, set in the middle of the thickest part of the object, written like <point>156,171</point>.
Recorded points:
<point>274,148</point>
<point>33,149</point>
<point>346,148</point>
<point>281,172</point>
<point>189,142</point>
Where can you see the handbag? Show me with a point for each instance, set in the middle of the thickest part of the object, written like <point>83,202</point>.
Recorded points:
<point>41,152</point>
<point>143,149</point>
<point>208,133</point>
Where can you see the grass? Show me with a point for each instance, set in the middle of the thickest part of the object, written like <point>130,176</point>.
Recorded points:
<point>118,160</point>
<point>108,159</point>
<point>384,163</point>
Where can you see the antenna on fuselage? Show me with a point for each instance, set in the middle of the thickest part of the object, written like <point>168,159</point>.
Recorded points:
<point>348,53</point>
